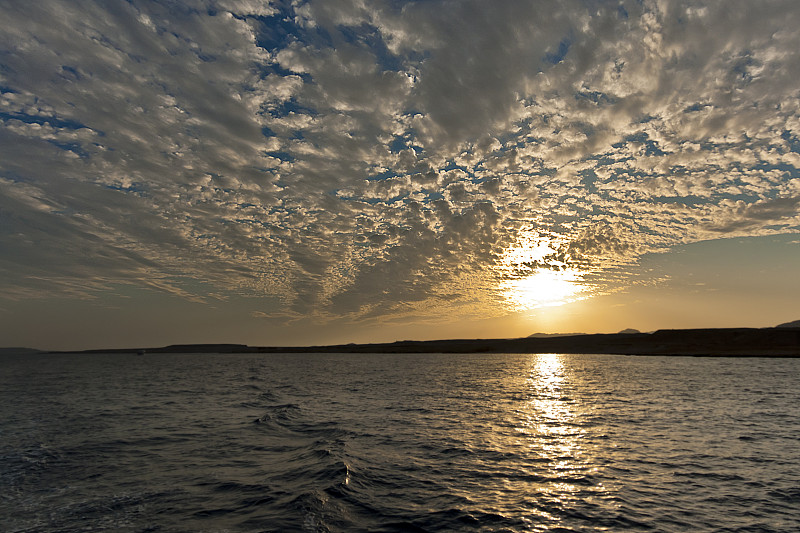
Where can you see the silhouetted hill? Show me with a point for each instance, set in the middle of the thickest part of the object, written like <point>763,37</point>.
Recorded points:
<point>547,335</point>
<point>18,351</point>
<point>729,342</point>
<point>794,324</point>
<point>200,348</point>
<point>177,348</point>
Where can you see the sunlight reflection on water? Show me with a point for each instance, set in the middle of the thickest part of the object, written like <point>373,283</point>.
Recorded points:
<point>552,427</point>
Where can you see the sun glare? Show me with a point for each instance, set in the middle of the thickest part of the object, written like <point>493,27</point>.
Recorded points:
<point>544,288</point>
<point>535,279</point>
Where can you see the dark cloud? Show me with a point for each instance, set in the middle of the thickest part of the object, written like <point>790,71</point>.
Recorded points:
<point>742,216</point>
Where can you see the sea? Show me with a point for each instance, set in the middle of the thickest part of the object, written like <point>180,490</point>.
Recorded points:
<point>398,443</point>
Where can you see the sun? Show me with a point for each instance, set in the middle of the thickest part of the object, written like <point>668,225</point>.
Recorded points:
<point>533,277</point>
<point>544,288</point>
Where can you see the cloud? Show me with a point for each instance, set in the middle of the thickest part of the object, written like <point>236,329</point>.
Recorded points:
<point>381,159</point>
<point>741,216</point>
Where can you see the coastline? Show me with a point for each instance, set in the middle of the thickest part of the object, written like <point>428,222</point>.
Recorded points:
<point>714,342</point>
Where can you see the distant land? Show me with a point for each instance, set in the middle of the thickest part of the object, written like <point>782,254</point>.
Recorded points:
<point>547,335</point>
<point>18,351</point>
<point>781,341</point>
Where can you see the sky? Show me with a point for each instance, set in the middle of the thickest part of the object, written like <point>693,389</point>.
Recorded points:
<point>332,171</point>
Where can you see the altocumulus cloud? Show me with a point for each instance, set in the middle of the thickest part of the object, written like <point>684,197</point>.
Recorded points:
<point>381,158</point>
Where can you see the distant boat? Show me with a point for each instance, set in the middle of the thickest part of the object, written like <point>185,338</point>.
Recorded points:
<point>140,352</point>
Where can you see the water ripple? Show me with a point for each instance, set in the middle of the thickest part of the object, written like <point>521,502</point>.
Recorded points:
<point>341,443</point>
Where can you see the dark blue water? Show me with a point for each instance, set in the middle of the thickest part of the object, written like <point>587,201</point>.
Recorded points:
<point>389,443</point>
